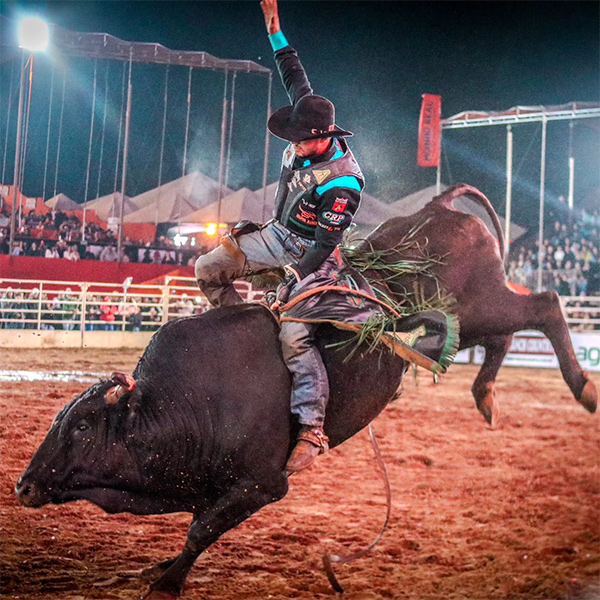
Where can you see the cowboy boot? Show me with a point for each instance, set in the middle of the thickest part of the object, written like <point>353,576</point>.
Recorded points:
<point>312,441</point>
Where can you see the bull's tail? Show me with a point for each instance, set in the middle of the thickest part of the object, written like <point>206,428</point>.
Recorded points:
<point>447,198</point>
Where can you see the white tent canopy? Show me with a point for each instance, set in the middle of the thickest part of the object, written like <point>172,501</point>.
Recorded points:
<point>199,189</point>
<point>172,208</point>
<point>109,206</point>
<point>243,204</point>
<point>62,202</point>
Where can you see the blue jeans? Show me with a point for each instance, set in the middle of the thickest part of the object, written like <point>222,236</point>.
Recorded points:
<point>271,248</point>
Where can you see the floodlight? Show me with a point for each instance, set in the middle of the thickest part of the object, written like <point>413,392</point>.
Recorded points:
<point>33,34</point>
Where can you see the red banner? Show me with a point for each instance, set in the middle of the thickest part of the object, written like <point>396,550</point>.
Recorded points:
<point>430,132</point>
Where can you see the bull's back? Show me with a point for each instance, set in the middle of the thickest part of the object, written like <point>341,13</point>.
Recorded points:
<point>229,362</point>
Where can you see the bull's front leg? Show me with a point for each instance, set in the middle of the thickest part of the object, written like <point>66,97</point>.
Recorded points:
<point>241,500</point>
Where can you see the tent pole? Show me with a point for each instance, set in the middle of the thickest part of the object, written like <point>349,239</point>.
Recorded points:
<point>542,191</point>
<point>571,167</point>
<point>13,208</point>
<point>120,128</point>
<point>102,137</point>
<point>48,132</point>
<point>25,137</point>
<point>509,167</point>
<point>162,141</point>
<point>267,141</point>
<point>187,122</point>
<point>60,127</point>
<point>222,155</point>
<point>230,133</point>
<point>125,151</point>
<point>89,161</point>
<point>3,181</point>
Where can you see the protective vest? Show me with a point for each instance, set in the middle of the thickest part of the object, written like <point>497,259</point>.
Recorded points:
<point>297,186</point>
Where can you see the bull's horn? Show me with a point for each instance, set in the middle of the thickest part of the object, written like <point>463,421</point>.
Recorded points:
<point>124,384</point>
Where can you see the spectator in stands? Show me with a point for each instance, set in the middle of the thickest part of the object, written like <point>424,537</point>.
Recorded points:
<point>152,314</point>
<point>93,312</point>
<point>107,313</point>
<point>48,316</point>
<point>109,254</point>
<point>18,250</point>
<point>32,308</point>
<point>185,306</point>
<point>10,309</point>
<point>71,253</point>
<point>52,252</point>
<point>70,311</point>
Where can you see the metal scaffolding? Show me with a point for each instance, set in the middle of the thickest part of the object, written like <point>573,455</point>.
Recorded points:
<point>520,115</point>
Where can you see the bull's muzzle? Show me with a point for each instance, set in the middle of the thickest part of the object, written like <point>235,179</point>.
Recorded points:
<point>29,495</point>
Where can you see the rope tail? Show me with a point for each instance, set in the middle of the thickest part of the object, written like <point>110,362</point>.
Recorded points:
<point>329,559</point>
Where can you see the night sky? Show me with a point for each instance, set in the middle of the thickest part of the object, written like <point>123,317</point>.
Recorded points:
<point>372,59</point>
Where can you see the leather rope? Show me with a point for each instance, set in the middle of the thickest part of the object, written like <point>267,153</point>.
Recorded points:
<point>335,288</point>
<point>329,559</point>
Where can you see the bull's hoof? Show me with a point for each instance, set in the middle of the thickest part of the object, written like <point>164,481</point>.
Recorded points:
<point>155,571</point>
<point>589,395</point>
<point>488,406</point>
<point>157,595</point>
<point>152,573</point>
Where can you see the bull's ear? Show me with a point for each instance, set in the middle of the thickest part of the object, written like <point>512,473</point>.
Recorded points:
<point>123,385</point>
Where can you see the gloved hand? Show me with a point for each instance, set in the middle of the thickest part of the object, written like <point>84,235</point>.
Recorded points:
<point>284,289</point>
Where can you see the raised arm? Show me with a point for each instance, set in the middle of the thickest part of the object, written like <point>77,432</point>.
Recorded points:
<point>293,75</point>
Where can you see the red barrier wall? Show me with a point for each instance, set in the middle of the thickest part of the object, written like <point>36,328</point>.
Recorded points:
<point>61,269</point>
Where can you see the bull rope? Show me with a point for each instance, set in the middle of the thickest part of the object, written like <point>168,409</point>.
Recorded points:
<point>329,559</point>
<point>391,340</point>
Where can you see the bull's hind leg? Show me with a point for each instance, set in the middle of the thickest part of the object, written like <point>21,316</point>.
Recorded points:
<point>513,312</point>
<point>545,313</point>
<point>237,504</point>
<point>484,386</point>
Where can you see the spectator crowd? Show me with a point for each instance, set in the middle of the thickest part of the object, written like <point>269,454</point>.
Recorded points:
<point>570,258</point>
<point>58,235</point>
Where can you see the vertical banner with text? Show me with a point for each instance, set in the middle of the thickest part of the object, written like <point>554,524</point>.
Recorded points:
<point>430,131</point>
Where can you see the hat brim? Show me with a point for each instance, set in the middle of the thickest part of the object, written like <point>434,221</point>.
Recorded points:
<point>280,125</point>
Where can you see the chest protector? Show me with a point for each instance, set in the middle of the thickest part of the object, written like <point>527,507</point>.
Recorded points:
<point>296,190</point>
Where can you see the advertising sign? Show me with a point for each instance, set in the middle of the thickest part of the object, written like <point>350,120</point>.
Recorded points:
<point>533,349</point>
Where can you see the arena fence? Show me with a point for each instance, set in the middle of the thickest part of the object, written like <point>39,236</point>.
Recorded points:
<point>76,314</point>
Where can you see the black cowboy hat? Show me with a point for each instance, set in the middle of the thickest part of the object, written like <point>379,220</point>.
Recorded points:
<point>310,118</point>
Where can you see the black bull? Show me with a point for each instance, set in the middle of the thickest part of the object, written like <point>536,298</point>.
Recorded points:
<point>207,428</point>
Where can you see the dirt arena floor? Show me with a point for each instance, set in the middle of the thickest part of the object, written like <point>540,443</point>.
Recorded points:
<point>477,514</point>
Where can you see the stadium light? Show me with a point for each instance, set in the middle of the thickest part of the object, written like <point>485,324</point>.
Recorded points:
<point>33,34</point>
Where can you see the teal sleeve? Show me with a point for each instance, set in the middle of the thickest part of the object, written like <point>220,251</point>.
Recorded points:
<point>348,181</point>
<point>278,41</point>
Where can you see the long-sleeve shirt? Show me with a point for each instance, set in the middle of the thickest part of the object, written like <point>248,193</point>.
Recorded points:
<point>332,204</point>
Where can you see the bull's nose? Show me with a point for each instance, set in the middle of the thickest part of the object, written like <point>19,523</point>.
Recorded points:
<point>27,494</point>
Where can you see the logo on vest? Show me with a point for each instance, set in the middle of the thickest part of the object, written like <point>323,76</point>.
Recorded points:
<point>321,175</point>
<point>339,205</point>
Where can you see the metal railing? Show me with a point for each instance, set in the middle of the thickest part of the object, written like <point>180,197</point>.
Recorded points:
<point>69,305</point>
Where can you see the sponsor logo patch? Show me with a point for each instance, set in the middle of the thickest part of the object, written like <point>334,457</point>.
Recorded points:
<point>339,205</point>
<point>333,217</point>
<point>321,175</point>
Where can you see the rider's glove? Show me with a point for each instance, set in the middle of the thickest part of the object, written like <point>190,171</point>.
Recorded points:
<point>284,289</point>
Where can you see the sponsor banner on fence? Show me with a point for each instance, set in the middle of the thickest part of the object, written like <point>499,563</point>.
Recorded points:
<point>533,349</point>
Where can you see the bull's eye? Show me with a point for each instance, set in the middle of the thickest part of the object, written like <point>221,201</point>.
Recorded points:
<point>83,427</point>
